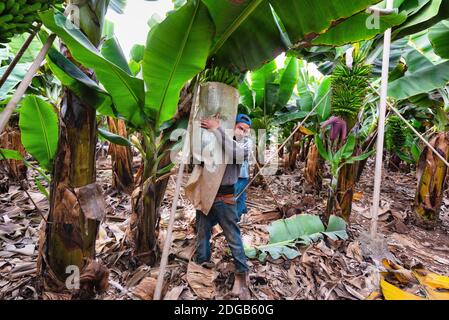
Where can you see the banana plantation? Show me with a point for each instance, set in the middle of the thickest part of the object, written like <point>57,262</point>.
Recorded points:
<point>240,150</point>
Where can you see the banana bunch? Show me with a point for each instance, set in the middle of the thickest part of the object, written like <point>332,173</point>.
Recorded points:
<point>220,74</point>
<point>395,134</point>
<point>17,16</point>
<point>349,89</point>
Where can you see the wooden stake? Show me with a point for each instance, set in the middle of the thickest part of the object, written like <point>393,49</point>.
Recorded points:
<point>381,128</point>
<point>168,238</point>
<point>12,104</point>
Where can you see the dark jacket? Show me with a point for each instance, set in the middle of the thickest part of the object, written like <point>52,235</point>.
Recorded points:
<point>234,155</point>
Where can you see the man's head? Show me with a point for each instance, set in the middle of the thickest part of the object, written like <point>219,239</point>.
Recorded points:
<point>243,125</point>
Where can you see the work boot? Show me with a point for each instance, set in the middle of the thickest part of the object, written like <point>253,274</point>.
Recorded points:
<point>241,286</point>
<point>208,265</point>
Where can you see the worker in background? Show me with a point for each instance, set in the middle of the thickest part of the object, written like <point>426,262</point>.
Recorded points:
<point>224,210</point>
<point>243,138</point>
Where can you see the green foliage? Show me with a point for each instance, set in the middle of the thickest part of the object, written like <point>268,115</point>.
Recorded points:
<point>299,229</point>
<point>339,35</point>
<point>137,53</point>
<point>7,154</point>
<point>349,89</point>
<point>17,16</point>
<point>249,33</point>
<point>114,138</point>
<point>322,99</point>
<point>439,36</point>
<point>38,124</point>
<point>14,79</point>
<point>79,83</point>
<point>127,92</point>
<point>422,81</point>
<point>113,52</point>
<point>269,93</point>
<point>168,65</point>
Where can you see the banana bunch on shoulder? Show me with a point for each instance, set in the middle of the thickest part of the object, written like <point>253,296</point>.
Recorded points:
<point>17,16</point>
<point>220,74</point>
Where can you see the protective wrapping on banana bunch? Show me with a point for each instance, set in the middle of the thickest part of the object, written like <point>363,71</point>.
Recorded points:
<point>215,100</point>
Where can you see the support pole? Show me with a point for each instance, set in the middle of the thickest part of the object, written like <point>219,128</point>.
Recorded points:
<point>12,104</point>
<point>168,238</point>
<point>381,128</point>
<point>420,136</point>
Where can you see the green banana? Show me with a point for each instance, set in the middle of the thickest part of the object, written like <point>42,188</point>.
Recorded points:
<point>18,16</point>
<point>220,74</point>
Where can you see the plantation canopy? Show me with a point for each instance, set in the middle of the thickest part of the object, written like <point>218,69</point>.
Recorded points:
<point>249,33</point>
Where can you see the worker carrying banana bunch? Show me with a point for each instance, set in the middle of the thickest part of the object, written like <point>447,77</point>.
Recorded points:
<point>222,207</point>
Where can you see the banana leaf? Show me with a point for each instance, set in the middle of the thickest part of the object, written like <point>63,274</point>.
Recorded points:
<point>79,83</point>
<point>113,52</point>
<point>299,229</point>
<point>38,123</point>
<point>288,80</point>
<point>427,16</point>
<point>14,78</point>
<point>347,32</point>
<point>439,37</point>
<point>260,78</point>
<point>126,91</point>
<point>8,154</point>
<point>114,138</point>
<point>176,51</point>
<point>425,11</point>
<point>248,33</point>
<point>322,100</point>
<point>422,81</point>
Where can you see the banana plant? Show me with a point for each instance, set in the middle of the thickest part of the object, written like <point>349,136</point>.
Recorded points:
<point>144,110</point>
<point>337,161</point>
<point>314,94</point>
<point>177,50</point>
<point>424,89</point>
<point>350,87</point>
<point>70,234</point>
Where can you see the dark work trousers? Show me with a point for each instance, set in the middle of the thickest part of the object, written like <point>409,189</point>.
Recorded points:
<point>226,216</point>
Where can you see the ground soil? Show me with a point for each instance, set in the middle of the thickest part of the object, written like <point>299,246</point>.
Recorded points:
<point>325,270</point>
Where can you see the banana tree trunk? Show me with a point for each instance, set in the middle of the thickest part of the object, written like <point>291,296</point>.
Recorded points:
<point>431,175</point>
<point>340,201</point>
<point>11,139</point>
<point>294,151</point>
<point>146,202</point>
<point>305,147</point>
<point>76,201</point>
<point>147,198</point>
<point>345,191</point>
<point>281,153</point>
<point>122,165</point>
<point>314,168</point>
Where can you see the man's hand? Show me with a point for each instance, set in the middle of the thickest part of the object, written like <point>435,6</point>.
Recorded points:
<point>210,123</point>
